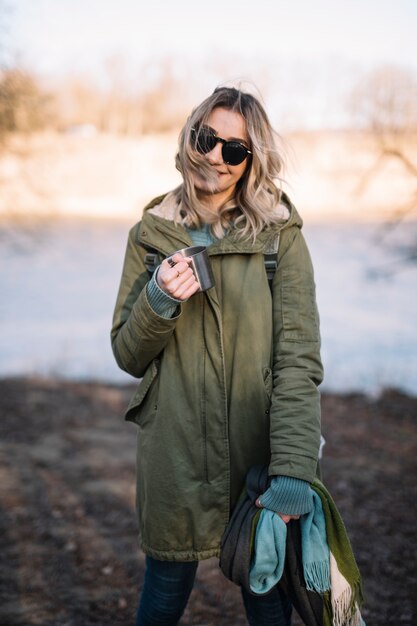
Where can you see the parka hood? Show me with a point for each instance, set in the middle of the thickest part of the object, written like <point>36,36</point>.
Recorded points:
<point>159,214</point>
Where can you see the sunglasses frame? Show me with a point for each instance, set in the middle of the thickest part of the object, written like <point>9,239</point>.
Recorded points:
<point>217,139</point>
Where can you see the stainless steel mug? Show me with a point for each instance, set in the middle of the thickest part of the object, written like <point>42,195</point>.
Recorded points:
<point>200,264</point>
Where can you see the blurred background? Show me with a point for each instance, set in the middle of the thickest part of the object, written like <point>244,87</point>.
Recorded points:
<point>92,97</point>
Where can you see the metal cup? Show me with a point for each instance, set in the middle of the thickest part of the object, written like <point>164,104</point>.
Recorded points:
<point>200,264</point>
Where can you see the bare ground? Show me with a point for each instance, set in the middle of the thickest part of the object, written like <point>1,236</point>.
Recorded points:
<point>68,544</point>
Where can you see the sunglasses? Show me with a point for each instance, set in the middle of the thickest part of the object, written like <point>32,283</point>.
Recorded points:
<point>205,140</point>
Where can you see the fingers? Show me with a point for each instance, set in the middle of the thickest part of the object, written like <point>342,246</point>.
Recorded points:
<point>177,258</point>
<point>285,518</point>
<point>176,278</point>
<point>170,271</point>
<point>288,518</point>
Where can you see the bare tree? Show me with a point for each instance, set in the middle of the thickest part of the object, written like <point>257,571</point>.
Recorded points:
<point>385,104</point>
<point>24,105</point>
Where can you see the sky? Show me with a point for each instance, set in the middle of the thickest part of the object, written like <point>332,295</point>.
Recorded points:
<point>303,49</point>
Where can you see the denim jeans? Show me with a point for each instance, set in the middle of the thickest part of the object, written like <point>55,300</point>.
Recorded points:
<point>168,585</point>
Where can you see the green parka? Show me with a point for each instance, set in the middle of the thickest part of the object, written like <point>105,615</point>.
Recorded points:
<point>228,382</point>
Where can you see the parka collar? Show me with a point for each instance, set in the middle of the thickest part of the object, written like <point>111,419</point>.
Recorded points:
<point>159,231</point>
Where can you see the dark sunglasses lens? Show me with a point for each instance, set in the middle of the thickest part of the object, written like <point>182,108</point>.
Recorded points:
<point>204,140</point>
<point>233,153</point>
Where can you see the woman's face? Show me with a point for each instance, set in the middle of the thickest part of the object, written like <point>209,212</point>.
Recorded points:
<point>228,125</point>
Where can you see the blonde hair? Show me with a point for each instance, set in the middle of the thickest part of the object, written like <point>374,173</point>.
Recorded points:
<point>256,195</point>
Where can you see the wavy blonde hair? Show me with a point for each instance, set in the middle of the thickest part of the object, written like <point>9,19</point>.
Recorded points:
<point>257,194</point>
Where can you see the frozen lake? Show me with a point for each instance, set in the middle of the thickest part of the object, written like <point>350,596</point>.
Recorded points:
<point>59,281</point>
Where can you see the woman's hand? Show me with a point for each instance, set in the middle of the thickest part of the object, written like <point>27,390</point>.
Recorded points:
<point>285,518</point>
<point>288,518</point>
<point>178,280</point>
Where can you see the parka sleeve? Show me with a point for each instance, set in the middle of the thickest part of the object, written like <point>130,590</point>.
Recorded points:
<point>297,367</point>
<point>138,333</point>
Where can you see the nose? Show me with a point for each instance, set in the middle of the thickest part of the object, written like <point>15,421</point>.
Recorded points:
<point>215,156</point>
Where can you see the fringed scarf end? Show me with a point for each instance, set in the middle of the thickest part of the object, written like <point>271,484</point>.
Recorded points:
<point>317,576</point>
<point>345,609</point>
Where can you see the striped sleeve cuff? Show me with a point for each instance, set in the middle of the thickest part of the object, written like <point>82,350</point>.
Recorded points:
<point>287,495</point>
<point>161,302</point>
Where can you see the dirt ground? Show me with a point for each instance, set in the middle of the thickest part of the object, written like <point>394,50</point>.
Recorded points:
<point>68,543</point>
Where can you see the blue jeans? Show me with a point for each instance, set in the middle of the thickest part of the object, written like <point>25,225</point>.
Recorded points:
<point>168,585</point>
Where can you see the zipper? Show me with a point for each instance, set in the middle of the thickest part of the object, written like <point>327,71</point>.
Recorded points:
<point>203,416</point>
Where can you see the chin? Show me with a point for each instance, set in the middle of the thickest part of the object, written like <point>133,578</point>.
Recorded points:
<point>206,187</point>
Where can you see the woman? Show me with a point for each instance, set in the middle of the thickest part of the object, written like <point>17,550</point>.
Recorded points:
<point>229,376</point>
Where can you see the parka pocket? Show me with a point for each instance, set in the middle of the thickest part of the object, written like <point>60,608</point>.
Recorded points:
<point>143,403</point>
<point>267,374</point>
<point>300,319</point>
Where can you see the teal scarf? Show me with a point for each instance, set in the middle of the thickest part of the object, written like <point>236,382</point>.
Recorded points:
<point>329,566</point>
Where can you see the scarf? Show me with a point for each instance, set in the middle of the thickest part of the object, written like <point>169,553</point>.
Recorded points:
<point>345,580</point>
<point>329,566</point>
